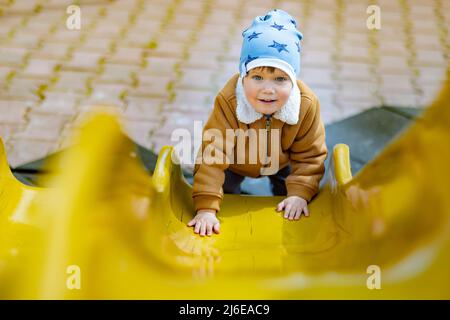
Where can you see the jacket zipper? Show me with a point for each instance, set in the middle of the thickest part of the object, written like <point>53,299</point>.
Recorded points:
<point>268,127</point>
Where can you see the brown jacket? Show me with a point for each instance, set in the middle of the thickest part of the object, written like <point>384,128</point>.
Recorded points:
<point>302,145</point>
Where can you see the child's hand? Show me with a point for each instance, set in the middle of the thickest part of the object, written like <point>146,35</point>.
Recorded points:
<point>293,207</point>
<point>205,222</point>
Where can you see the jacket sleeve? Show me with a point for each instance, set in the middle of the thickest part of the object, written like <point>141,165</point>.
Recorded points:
<point>209,175</point>
<point>307,155</point>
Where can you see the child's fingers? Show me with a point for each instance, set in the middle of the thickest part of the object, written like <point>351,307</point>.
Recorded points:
<point>280,206</point>
<point>203,228</point>
<point>306,211</point>
<point>209,229</point>
<point>287,210</point>
<point>217,228</point>
<point>292,213</point>
<point>191,223</point>
<point>297,214</point>
<point>198,224</point>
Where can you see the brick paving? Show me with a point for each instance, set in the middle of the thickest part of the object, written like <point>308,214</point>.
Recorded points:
<point>161,62</point>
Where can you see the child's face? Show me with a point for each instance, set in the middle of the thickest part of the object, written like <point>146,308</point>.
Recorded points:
<point>261,85</point>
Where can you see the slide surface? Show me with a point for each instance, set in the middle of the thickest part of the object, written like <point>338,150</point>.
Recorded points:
<point>105,228</point>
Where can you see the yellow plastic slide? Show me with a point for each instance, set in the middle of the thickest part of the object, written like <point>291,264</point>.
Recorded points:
<point>104,228</point>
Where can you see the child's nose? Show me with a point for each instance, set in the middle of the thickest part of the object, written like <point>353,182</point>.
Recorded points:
<point>268,88</point>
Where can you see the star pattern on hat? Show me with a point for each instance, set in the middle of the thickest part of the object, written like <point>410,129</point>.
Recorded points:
<point>279,46</point>
<point>254,35</point>
<point>249,59</point>
<point>279,27</point>
<point>267,40</point>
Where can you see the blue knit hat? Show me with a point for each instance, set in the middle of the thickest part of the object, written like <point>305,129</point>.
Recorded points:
<point>272,40</point>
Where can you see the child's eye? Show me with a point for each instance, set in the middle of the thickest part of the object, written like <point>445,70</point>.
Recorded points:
<point>256,77</point>
<point>281,79</point>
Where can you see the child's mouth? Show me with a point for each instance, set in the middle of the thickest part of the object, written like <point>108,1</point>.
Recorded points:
<point>267,101</point>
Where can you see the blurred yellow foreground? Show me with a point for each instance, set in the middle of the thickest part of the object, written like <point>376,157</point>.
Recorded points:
<point>105,229</point>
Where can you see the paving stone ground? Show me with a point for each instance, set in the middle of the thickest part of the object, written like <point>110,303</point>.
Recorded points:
<point>161,62</point>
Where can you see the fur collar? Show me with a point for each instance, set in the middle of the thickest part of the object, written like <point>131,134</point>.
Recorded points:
<point>288,113</point>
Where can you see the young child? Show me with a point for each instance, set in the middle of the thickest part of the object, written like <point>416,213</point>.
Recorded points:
<point>266,97</point>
